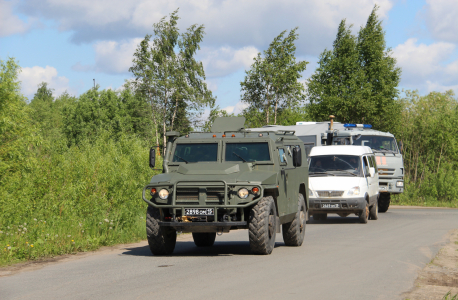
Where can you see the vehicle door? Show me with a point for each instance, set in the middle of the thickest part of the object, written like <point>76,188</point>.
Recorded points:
<point>369,179</point>
<point>375,179</point>
<point>287,181</point>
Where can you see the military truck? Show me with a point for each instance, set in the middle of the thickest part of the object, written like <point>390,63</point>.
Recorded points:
<point>228,179</point>
<point>383,144</point>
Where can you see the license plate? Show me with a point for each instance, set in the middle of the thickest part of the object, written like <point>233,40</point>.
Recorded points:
<point>337,205</point>
<point>199,212</point>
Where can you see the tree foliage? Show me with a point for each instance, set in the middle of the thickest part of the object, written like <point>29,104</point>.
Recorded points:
<point>168,75</point>
<point>272,81</point>
<point>357,81</point>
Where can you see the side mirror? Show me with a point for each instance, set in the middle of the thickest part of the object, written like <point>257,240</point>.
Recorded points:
<point>297,157</point>
<point>372,172</point>
<point>152,158</point>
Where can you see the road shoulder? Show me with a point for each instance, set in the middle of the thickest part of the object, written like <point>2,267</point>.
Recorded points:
<point>440,275</point>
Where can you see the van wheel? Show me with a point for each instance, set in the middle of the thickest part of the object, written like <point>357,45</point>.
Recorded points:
<point>204,239</point>
<point>294,232</point>
<point>161,240</point>
<point>384,202</point>
<point>262,226</point>
<point>373,212</point>
<point>320,217</point>
<point>364,215</point>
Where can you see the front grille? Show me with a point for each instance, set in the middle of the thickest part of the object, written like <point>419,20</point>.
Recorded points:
<point>327,194</point>
<point>215,194</point>
<point>187,194</point>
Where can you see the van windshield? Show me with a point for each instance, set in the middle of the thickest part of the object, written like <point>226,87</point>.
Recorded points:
<point>190,153</point>
<point>335,165</point>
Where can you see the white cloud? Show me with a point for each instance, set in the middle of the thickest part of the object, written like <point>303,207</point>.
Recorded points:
<point>32,77</point>
<point>236,109</point>
<point>427,67</point>
<point>9,23</point>
<point>226,60</point>
<point>440,17</point>
<point>237,23</point>
<point>111,57</point>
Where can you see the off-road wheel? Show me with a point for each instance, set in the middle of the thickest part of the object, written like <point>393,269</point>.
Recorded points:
<point>294,231</point>
<point>262,226</point>
<point>384,202</point>
<point>364,214</point>
<point>161,240</point>
<point>373,211</point>
<point>320,217</point>
<point>204,239</point>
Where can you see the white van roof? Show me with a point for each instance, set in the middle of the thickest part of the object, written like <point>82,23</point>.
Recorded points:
<point>338,149</point>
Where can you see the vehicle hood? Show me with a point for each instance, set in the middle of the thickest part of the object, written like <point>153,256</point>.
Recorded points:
<point>229,172</point>
<point>335,183</point>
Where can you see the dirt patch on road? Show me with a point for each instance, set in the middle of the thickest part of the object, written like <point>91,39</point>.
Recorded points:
<point>440,275</point>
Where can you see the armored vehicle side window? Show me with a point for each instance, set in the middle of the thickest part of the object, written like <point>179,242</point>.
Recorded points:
<point>335,165</point>
<point>195,152</point>
<point>281,153</point>
<point>376,142</point>
<point>247,152</point>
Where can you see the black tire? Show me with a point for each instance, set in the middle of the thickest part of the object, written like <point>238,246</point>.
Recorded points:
<point>294,232</point>
<point>373,211</point>
<point>364,214</point>
<point>204,239</point>
<point>161,240</point>
<point>262,226</point>
<point>384,202</point>
<point>320,217</point>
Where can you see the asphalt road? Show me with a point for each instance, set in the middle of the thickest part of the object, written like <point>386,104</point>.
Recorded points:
<point>340,259</point>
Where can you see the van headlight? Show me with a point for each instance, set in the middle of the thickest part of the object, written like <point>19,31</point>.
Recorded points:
<point>354,191</point>
<point>243,193</point>
<point>311,193</point>
<point>400,183</point>
<point>163,194</point>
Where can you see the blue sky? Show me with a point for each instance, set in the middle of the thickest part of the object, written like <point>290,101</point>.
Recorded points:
<point>69,43</point>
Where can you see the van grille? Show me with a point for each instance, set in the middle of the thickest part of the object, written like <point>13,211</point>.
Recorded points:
<point>327,194</point>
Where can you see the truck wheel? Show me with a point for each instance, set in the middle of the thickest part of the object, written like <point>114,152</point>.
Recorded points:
<point>161,240</point>
<point>364,215</point>
<point>384,202</point>
<point>262,227</point>
<point>294,232</point>
<point>204,239</point>
<point>320,217</point>
<point>373,212</point>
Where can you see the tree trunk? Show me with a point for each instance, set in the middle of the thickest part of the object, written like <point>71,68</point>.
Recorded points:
<point>275,110</point>
<point>174,113</point>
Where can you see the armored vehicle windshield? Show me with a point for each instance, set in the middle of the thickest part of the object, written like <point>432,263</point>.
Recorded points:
<point>192,153</point>
<point>247,152</point>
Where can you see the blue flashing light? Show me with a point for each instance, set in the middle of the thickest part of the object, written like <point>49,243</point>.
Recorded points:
<point>349,125</point>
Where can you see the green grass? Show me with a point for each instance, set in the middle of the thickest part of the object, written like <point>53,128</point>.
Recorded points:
<point>75,199</point>
<point>449,296</point>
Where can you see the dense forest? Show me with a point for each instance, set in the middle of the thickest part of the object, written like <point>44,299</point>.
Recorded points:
<point>72,167</point>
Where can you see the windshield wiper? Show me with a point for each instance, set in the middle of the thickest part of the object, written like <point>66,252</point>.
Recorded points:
<point>348,172</point>
<point>239,156</point>
<point>327,173</point>
<point>182,158</point>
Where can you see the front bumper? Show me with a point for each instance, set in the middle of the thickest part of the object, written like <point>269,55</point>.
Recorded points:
<point>204,226</point>
<point>346,205</point>
<point>391,186</point>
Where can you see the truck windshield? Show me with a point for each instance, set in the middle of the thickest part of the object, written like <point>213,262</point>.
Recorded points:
<point>195,152</point>
<point>247,152</point>
<point>376,142</point>
<point>335,165</point>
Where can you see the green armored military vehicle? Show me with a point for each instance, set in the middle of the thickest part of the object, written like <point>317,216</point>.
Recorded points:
<point>227,179</point>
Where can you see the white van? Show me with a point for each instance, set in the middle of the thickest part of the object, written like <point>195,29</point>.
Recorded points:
<point>343,180</point>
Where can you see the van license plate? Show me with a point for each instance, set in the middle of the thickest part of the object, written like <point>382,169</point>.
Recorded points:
<point>199,212</point>
<point>327,205</point>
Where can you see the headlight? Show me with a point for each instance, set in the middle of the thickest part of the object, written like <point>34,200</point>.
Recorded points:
<point>400,183</point>
<point>243,193</point>
<point>354,191</point>
<point>163,194</point>
<point>311,193</point>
